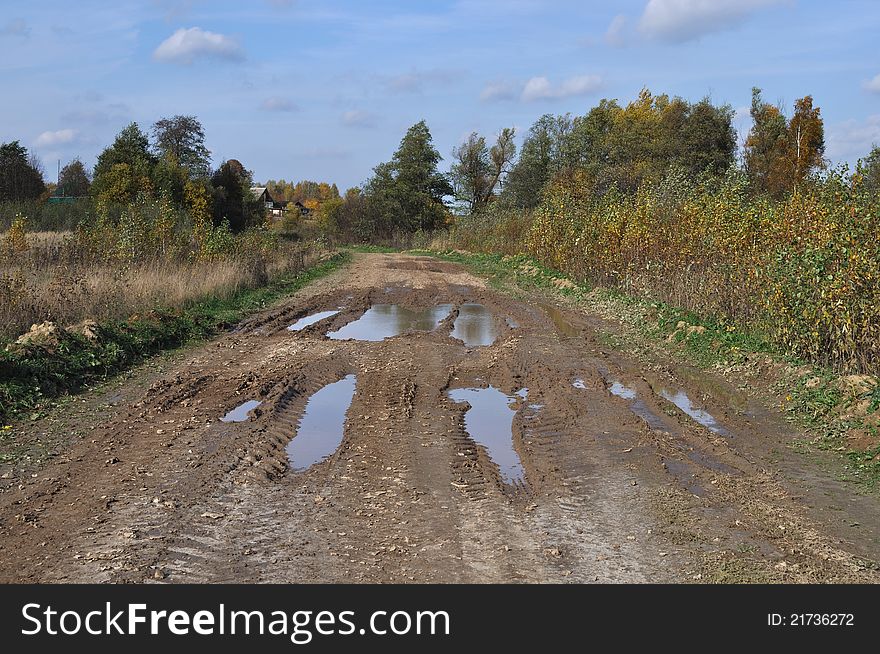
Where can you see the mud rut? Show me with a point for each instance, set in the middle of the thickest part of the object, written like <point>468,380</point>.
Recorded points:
<point>163,491</point>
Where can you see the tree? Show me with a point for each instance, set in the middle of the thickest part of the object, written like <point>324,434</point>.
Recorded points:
<point>233,200</point>
<point>170,179</point>
<point>470,172</point>
<point>544,154</point>
<point>779,154</point>
<point>384,209</point>
<point>707,138</point>
<point>20,175</point>
<point>868,170</point>
<point>501,155</point>
<point>478,170</point>
<point>407,193</point>
<point>589,144</point>
<point>806,140</point>
<point>74,180</point>
<point>124,169</point>
<point>420,184</point>
<point>182,139</point>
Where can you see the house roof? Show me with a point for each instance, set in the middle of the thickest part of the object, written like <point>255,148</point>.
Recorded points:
<point>258,191</point>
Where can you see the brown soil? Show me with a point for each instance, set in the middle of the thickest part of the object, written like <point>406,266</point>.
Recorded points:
<point>156,488</point>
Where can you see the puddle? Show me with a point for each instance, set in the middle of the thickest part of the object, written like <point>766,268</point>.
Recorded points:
<point>302,323</point>
<point>513,324</point>
<point>637,406</point>
<point>383,321</point>
<point>563,326</point>
<point>321,429</point>
<point>733,397</point>
<point>475,325</point>
<point>489,422</point>
<point>620,390</point>
<point>703,417</point>
<point>579,383</point>
<point>240,413</point>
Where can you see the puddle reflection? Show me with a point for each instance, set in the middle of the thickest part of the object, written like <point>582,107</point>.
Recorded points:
<point>240,413</point>
<point>383,321</point>
<point>475,325</point>
<point>321,429</point>
<point>489,421</point>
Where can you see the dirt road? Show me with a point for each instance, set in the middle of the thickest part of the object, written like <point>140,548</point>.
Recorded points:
<point>601,469</point>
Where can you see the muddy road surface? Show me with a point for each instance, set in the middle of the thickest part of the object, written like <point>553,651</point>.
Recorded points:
<point>401,421</point>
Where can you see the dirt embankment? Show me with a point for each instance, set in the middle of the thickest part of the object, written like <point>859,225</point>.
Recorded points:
<point>595,470</point>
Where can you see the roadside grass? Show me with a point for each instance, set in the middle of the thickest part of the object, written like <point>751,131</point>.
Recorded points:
<point>33,375</point>
<point>808,395</point>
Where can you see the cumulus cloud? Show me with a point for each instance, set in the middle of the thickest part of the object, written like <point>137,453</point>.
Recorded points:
<point>358,118</point>
<point>872,85</point>
<point>540,88</point>
<point>187,45</point>
<point>15,27</point>
<point>51,139</point>
<point>277,103</point>
<point>497,91</point>
<point>677,21</point>
<point>852,139</point>
<point>615,34</point>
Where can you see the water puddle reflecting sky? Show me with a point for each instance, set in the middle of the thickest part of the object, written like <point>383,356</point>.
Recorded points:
<point>475,325</point>
<point>240,413</point>
<point>321,429</point>
<point>701,416</point>
<point>305,321</point>
<point>489,421</point>
<point>383,321</point>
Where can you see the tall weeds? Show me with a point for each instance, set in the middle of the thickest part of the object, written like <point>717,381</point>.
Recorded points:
<point>804,270</point>
<point>150,257</point>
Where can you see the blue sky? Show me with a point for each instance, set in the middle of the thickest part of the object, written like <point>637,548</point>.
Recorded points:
<point>302,89</point>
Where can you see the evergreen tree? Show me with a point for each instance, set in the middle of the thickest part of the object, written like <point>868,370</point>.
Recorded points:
<point>20,178</point>
<point>407,193</point>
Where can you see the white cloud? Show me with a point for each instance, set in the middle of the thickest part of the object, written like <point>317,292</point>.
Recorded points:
<point>496,91</point>
<point>60,137</point>
<point>540,88</point>
<point>872,85</point>
<point>187,45</point>
<point>677,21</point>
<point>615,35</point>
<point>15,27</point>
<point>852,139</point>
<point>277,103</point>
<point>358,118</point>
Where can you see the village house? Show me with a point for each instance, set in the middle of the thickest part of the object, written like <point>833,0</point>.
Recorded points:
<point>273,208</point>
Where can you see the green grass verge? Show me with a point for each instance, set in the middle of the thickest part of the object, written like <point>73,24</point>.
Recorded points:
<point>30,377</point>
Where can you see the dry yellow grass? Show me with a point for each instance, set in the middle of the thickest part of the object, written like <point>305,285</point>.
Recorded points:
<point>45,283</point>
